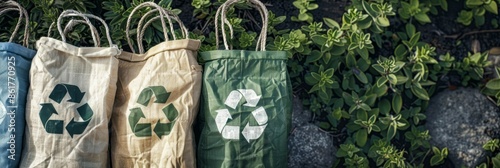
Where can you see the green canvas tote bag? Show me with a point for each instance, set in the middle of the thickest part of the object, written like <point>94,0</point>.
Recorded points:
<point>246,103</point>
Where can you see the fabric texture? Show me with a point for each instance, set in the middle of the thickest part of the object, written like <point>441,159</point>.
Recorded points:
<point>69,105</point>
<point>246,109</point>
<point>15,63</point>
<point>155,107</point>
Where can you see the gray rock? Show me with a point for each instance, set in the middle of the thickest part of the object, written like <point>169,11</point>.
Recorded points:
<point>310,147</point>
<point>299,116</point>
<point>462,120</point>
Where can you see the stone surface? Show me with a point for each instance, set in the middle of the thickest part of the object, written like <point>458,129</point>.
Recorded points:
<point>310,147</point>
<point>463,120</point>
<point>299,116</point>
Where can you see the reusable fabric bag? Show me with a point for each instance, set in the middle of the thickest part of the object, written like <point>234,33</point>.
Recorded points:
<point>70,102</point>
<point>15,63</point>
<point>156,101</point>
<point>246,104</point>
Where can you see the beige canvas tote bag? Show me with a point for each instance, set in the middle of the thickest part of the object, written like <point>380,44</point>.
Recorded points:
<point>70,102</point>
<point>157,99</point>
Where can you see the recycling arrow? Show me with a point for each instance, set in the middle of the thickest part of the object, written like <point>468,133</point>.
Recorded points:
<point>235,97</point>
<point>160,129</point>
<point>75,127</point>
<point>253,132</point>
<point>159,92</point>
<point>221,119</point>
<point>232,101</point>
<point>250,96</point>
<point>51,126</point>
<point>60,91</point>
<point>140,130</point>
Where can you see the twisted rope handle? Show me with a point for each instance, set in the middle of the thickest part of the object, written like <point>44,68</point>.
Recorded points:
<point>261,40</point>
<point>145,4</point>
<point>169,15</point>
<point>73,22</point>
<point>72,13</point>
<point>14,6</point>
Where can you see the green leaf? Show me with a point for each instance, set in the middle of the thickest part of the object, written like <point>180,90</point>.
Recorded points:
<point>361,77</point>
<point>410,29</point>
<point>361,137</point>
<point>329,72</point>
<point>338,50</point>
<point>315,56</point>
<point>348,98</point>
<point>324,125</point>
<point>320,40</point>
<point>368,8</point>
<point>363,52</point>
<point>400,52</point>
<point>444,4</point>
<point>496,161</point>
<point>316,87</point>
<point>379,68</point>
<point>435,160</point>
<point>391,132</point>
<point>312,6</point>
<point>381,81</point>
<point>380,90</point>
<point>370,99</point>
<point>401,79</point>
<point>397,103</point>
<point>331,23</point>
<point>471,3</point>
<point>414,4</point>
<point>385,106</point>
<point>383,21</point>
<point>420,92</point>
<point>414,39</point>
<point>493,84</point>
<point>422,17</point>
<point>350,61</point>
<point>303,17</point>
<point>392,78</point>
<point>492,7</point>
<point>365,107</point>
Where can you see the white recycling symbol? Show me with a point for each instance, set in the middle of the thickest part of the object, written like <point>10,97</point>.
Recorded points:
<point>249,132</point>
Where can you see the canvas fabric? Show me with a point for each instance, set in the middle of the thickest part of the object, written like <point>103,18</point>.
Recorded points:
<point>156,104</point>
<point>69,105</point>
<point>15,63</point>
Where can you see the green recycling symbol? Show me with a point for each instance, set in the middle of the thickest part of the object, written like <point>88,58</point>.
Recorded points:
<point>249,132</point>
<point>57,126</point>
<point>144,129</point>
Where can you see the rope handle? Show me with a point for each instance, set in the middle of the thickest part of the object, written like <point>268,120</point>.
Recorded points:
<point>169,15</point>
<point>73,13</point>
<point>142,5</point>
<point>14,6</point>
<point>222,11</point>
<point>73,22</point>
